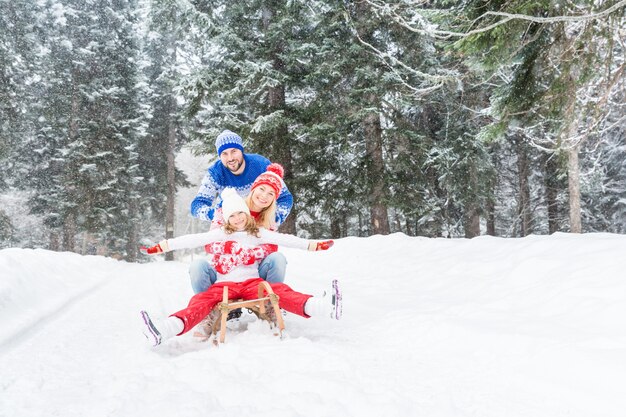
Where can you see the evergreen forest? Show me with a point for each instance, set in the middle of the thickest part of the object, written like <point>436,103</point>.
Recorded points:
<point>434,118</point>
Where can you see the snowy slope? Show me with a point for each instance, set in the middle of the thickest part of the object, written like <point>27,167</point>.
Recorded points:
<point>432,327</point>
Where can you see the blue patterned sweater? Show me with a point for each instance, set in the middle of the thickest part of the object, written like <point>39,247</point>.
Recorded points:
<point>219,177</point>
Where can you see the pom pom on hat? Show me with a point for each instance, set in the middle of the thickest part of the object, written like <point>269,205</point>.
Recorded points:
<point>232,203</point>
<point>228,139</point>
<point>276,169</point>
<point>273,177</point>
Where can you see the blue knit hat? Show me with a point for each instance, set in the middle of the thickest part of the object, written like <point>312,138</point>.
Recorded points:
<point>227,140</point>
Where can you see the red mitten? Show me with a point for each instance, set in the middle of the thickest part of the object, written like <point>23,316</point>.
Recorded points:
<point>246,257</point>
<point>223,247</point>
<point>151,251</point>
<point>324,245</point>
<point>224,263</point>
<point>215,247</point>
<point>264,249</point>
<point>232,247</point>
<point>257,253</point>
<point>230,254</point>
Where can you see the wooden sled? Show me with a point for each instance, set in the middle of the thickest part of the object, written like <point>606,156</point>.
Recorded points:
<point>257,306</point>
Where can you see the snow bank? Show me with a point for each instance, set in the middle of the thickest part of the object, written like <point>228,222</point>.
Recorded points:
<point>485,327</point>
<point>35,284</point>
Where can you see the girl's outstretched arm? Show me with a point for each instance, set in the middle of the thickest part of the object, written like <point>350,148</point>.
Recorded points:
<point>291,241</point>
<point>186,242</point>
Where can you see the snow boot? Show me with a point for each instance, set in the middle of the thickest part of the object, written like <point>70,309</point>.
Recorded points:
<point>270,314</point>
<point>205,327</point>
<point>336,301</point>
<point>162,330</point>
<point>328,305</point>
<point>234,314</point>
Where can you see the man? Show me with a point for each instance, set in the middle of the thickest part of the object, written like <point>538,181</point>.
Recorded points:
<point>234,169</point>
<point>238,170</point>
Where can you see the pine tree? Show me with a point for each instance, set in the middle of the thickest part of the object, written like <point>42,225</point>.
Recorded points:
<point>17,49</point>
<point>43,152</point>
<point>165,41</point>
<point>436,170</point>
<point>298,82</point>
<point>121,126</point>
<point>250,71</point>
<point>84,170</point>
<point>551,61</point>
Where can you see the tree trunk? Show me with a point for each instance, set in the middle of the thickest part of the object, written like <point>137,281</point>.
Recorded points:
<point>335,228</point>
<point>490,204</point>
<point>170,202</point>
<point>523,173</point>
<point>283,153</point>
<point>491,217</point>
<point>398,222</point>
<point>472,221</point>
<point>551,188</point>
<point>372,130</point>
<point>570,121</point>
<point>69,232</point>
<point>54,244</point>
<point>276,102</point>
<point>361,225</point>
<point>132,239</point>
<point>567,140</point>
<point>69,220</point>
<point>379,220</point>
<point>472,209</point>
<point>171,177</point>
<point>408,227</point>
<point>573,179</point>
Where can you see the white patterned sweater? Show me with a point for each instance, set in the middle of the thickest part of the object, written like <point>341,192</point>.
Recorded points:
<point>241,272</point>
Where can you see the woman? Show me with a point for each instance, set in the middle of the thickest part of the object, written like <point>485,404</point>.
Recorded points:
<point>239,245</point>
<point>261,200</point>
<point>261,203</point>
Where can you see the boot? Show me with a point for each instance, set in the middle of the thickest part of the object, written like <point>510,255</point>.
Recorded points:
<point>328,305</point>
<point>156,332</point>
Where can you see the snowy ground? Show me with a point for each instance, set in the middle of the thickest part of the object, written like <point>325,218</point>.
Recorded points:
<point>487,327</point>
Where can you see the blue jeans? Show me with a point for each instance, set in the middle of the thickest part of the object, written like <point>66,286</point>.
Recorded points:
<point>203,275</point>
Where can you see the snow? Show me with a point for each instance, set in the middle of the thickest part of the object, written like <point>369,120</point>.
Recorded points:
<point>431,327</point>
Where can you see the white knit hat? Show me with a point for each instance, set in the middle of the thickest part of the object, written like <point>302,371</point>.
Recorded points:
<point>232,203</point>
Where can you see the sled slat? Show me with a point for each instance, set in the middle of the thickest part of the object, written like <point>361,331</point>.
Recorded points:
<point>258,306</point>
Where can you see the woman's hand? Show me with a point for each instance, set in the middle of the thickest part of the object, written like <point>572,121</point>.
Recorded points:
<point>156,249</point>
<point>322,245</point>
<point>151,251</point>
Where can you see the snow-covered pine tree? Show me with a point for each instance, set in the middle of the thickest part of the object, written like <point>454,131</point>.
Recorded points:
<point>351,86</point>
<point>17,49</point>
<point>604,168</point>
<point>166,38</point>
<point>44,151</point>
<point>250,77</point>
<point>551,51</point>
<point>331,188</point>
<point>84,170</point>
<point>122,125</point>
<point>434,170</point>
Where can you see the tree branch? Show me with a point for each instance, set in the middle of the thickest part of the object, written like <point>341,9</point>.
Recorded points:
<point>506,17</point>
<point>437,80</point>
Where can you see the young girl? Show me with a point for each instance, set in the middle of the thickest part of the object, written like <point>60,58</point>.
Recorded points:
<point>240,246</point>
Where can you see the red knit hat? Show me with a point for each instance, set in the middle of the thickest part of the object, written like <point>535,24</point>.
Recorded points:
<point>273,177</point>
